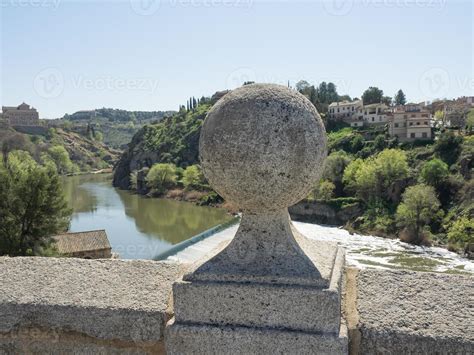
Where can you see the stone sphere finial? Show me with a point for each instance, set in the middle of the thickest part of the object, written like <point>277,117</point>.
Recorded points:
<point>262,147</point>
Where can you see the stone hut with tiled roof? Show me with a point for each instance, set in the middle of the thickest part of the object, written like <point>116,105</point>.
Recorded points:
<point>86,245</point>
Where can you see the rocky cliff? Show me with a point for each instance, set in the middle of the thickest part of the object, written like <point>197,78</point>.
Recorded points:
<point>173,140</point>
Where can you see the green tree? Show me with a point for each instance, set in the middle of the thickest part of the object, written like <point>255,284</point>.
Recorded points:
<point>418,208</point>
<point>400,98</point>
<point>387,100</point>
<point>60,156</point>
<point>15,141</point>
<point>302,86</point>
<point>372,95</point>
<point>470,121</point>
<point>161,177</point>
<point>371,179</point>
<point>461,233</point>
<point>434,172</point>
<point>193,177</point>
<point>100,137</point>
<point>380,143</point>
<point>134,180</point>
<point>439,118</point>
<point>448,147</point>
<point>32,206</point>
<point>324,191</point>
<point>357,143</point>
<point>334,167</point>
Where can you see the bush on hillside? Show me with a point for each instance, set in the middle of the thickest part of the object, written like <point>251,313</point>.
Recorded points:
<point>161,177</point>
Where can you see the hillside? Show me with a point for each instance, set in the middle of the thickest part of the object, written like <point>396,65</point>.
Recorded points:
<point>117,127</point>
<point>366,171</point>
<point>85,154</point>
<point>173,140</point>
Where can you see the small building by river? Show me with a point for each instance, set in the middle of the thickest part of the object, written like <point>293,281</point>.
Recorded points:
<point>86,245</point>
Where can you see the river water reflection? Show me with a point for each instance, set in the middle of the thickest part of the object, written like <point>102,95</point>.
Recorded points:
<point>137,227</point>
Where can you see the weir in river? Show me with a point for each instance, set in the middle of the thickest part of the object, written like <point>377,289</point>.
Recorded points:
<point>144,228</point>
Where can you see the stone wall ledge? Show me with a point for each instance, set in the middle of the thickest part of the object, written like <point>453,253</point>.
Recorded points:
<point>105,302</point>
<point>403,312</point>
<point>56,305</point>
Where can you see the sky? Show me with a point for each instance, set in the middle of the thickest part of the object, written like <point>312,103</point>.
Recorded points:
<point>61,56</point>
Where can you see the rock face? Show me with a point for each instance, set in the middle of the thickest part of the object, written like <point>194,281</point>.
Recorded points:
<point>323,213</point>
<point>134,158</point>
<point>262,148</point>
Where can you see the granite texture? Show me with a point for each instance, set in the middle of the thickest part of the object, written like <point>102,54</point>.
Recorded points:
<point>262,147</point>
<point>204,339</point>
<point>108,300</point>
<point>270,290</point>
<point>402,312</point>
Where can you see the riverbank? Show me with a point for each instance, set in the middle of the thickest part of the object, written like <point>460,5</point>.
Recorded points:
<point>92,172</point>
<point>345,213</point>
<point>137,227</point>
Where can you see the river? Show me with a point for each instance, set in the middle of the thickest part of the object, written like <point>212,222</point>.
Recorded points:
<point>138,227</point>
<point>143,228</point>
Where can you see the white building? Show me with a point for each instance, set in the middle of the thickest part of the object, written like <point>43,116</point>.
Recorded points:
<point>355,114</point>
<point>344,110</point>
<point>373,114</point>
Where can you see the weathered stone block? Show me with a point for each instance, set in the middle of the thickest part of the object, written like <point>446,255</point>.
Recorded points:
<point>303,308</point>
<point>257,305</point>
<point>208,339</point>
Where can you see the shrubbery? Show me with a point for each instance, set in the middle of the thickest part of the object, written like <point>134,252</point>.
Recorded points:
<point>461,233</point>
<point>162,177</point>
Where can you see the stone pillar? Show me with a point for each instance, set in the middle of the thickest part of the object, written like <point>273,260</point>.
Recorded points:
<point>270,290</point>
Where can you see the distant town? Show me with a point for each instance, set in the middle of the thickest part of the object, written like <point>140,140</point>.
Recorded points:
<point>408,122</point>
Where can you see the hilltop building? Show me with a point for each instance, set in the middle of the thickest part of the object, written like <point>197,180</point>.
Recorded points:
<point>346,111</point>
<point>410,122</point>
<point>356,114</point>
<point>22,115</point>
<point>373,113</point>
<point>86,245</point>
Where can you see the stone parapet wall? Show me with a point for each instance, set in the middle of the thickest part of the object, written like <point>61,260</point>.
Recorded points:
<point>66,305</point>
<point>404,312</point>
<point>57,305</point>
